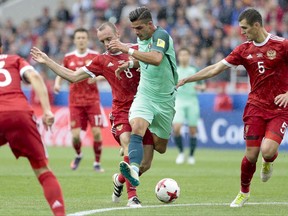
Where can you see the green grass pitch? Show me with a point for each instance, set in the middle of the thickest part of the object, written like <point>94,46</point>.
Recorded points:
<point>207,188</point>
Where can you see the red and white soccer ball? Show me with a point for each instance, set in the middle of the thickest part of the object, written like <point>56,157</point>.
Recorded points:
<point>167,190</point>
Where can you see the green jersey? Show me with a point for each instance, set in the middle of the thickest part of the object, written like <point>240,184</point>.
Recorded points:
<point>187,91</point>
<point>158,82</point>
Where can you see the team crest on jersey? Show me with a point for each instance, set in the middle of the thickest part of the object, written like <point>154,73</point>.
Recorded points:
<point>160,43</point>
<point>271,54</point>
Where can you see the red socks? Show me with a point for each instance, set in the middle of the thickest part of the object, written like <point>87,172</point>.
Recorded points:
<point>53,193</point>
<point>247,172</point>
<point>77,147</point>
<point>97,146</point>
<point>271,159</point>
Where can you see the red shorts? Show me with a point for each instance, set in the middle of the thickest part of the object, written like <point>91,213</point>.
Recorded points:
<point>259,123</point>
<point>120,124</point>
<point>19,129</point>
<point>81,115</point>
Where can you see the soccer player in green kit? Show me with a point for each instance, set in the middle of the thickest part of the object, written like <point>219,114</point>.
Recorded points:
<point>187,106</point>
<point>154,103</point>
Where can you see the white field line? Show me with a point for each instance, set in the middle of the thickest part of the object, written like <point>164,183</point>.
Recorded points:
<point>89,212</point>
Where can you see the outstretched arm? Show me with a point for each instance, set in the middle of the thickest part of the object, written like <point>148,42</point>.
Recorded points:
<point>41,91</point>
<point>205,73</point>
<point>63,72</point>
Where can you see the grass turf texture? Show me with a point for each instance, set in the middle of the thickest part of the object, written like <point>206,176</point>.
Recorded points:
<point>207,187</point>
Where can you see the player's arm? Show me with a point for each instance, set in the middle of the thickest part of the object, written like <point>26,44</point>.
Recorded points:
<point>65,73</point>
<point>205,73</point>
<point>153,57</point>
<point>57,84</point>
<point>40,89</point>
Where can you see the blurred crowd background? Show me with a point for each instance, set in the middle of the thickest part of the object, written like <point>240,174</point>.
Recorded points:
<point>209,28</point>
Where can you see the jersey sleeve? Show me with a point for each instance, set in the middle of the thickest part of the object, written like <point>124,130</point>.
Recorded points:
<point>23,67</point>
<point>234,58</point>
<point>95,67</point>
<point>160,41</point>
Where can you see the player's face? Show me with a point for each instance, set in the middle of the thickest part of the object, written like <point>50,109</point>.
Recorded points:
<point>142,29</point>
<point>81,40</point>
<point>183,57</point>
<point>106,35</point>
<point>249,31</point>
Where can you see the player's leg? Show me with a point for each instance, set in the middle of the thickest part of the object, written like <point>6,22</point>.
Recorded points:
<point>33,148</point>
<point>50,185</point>
<point>178,142</point>
<point>78,119</point>
<point>269,149</point>
<point>96,121</point>
<point>141,115</point>
<point>193,115</point>
<point>254,131</point>
<point>192,144</point>
<point>161,126</point>
<point>76,142</point>
<point>178,121</point>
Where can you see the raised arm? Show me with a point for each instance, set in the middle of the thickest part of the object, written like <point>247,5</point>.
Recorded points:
<point>63,72</point>
<point>205,73</point>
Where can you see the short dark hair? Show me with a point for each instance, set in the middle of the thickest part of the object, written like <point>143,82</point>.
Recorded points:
<point>251,15</point>
<point>140,13</point>
<point>80,30</point>
<point>109,24</point>
<point>184,49</point>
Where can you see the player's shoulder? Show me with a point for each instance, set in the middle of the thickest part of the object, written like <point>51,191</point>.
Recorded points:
<point>69,54</point>
<point>276,38</point>
<point>93,52</point>
<point>9,56</point>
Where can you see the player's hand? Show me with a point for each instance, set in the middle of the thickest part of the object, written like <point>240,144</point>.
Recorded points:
<point>116,46</point>
<point>180,83</point>
<point>38,55</point>
<point>281,100</point>
<point>121,68</point>
<point>48,120</point>
<point>57,88</point>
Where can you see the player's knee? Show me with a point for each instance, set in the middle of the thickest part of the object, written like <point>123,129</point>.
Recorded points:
<point>159,148</point>
<point>76,140</point>
<point>97,137</point>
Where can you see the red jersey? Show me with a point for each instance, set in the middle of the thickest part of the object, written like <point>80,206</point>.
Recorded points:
<point>123,90</point>
<point>81,93</point>
<point>12,68</point>
<point>267,66</point>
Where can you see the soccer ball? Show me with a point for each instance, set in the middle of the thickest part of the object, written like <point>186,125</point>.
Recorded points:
<point>167,190</point>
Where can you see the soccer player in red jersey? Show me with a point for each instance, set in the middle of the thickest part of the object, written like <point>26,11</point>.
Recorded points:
<point>84,100</point>
<point>266,113</point>
<point>123,92</point>
<point>18,125</point>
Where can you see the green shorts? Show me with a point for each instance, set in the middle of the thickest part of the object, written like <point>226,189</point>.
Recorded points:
<point>187,111</point>
<point>159,114</point>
